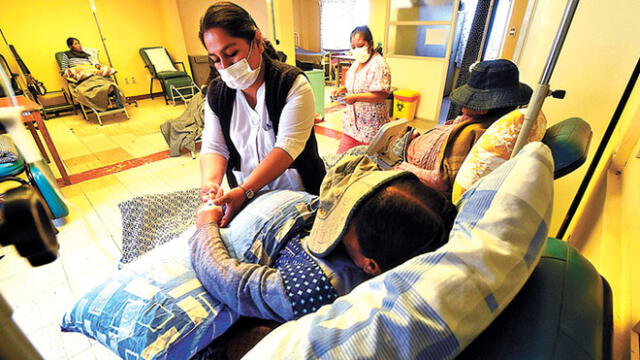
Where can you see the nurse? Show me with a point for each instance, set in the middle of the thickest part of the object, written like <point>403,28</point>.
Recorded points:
<point>367,86</point>
<point>258,127</point>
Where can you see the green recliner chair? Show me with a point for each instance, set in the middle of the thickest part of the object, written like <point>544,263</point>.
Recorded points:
<point>176,84</point>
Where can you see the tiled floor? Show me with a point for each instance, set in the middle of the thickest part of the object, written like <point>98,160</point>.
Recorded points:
<point>89,241</point>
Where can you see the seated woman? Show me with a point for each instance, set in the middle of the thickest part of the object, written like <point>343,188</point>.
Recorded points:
<point>492,91</point>
<point>76,56</point>
<point>367,222</point>
<point>90,80</point>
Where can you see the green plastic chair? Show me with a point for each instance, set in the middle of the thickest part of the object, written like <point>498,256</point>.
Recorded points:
<point>176,85</point>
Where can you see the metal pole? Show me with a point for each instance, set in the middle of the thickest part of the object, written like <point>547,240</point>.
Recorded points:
<point>102,38</point>
<point>542,91</point>
<point>485,31</point>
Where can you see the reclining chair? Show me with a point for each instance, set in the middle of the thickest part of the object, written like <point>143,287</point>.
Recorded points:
<point>112,110</point>
<point>176,84</point>
<point>564,310</point>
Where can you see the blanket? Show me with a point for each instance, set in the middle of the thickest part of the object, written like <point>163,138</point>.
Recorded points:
<point>94,92</point>
<point>183,131</point>
<point>8,151</point>
<point>152,220</point>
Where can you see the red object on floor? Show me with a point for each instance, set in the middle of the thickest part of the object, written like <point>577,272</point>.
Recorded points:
<point>347,142</point>
<point>334,134</point>
<point>115,168</point>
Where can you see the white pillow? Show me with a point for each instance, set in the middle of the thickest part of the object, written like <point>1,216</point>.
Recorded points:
<point>436,304</point>
<point>160,59</point>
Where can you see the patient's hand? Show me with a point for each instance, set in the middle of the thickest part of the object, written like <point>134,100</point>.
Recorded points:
<point>208,213</point>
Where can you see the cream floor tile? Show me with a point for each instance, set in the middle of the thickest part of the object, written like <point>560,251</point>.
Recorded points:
<point>90,277</point>
<point>101,352</point>
<point>48,342</point>
<point>86,354</point>
<point>77,346</point>
<point>98,142</point>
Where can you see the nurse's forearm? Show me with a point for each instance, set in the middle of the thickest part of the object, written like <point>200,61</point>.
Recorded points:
<point>372,97</point>
<point>272,166</point>
<point>212,168</point>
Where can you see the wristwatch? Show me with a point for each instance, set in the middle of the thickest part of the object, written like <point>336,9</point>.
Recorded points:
<point>247,192</point>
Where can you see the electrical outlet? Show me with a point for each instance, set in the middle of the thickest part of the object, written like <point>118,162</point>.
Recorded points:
<point>126,81</point>
<point>133,80</point>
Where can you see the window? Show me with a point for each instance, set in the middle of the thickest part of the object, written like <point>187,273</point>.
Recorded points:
<point>338,18</point>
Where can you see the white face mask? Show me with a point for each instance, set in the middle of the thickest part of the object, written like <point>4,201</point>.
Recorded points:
<point>240,76</point>
<point>361,54</point>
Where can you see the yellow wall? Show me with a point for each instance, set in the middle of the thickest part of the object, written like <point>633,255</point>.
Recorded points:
<point>377,19</point>
<point>191,11</point>
<point>39,28</point>
<point>595,63</point>
<point>284,28</point>
<point>606,227</point>
<point>307,23</point>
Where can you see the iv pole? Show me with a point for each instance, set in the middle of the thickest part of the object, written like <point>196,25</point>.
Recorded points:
<point>102,38</point>
<point>543,89</point>
<point>106,51</point>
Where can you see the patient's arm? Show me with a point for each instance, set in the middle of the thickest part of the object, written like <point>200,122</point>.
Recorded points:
<point>248,289</point>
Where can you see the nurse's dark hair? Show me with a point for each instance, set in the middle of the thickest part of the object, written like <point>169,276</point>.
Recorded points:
<point>234,20</point>
<point>402,220</point>
<point>366,34</point>
<point>70,41</point>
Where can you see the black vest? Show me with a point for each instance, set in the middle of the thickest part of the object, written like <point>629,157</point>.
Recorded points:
<point>278,78</point>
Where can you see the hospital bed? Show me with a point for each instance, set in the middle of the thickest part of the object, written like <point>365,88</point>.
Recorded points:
<point>117,101</point>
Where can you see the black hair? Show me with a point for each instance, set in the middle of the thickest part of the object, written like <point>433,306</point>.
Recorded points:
<point>366,34</point>
<point>70,41</point>
<point>402,220</point>
<point>231,18</point>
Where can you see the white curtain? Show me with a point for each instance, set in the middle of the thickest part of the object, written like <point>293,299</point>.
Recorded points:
<point>338,18</point>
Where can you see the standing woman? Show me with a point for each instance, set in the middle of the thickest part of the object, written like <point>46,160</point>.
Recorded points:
<point>368,84</point>
<point>258,127</point>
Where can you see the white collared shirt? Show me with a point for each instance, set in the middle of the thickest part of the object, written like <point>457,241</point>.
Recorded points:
<point>253,135</point>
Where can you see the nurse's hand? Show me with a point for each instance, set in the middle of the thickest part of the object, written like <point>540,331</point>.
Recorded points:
<point>339,91</point>
<point>210,191</point>
<point>233,200</point>
<point>350,99</point>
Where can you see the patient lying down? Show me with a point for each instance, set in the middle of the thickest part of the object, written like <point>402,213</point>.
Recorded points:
<point>367,221</point>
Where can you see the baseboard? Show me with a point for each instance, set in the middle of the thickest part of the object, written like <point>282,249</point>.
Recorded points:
<point>145,96</point>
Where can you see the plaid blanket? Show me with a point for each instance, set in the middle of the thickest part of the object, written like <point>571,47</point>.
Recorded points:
<point>434,305</point>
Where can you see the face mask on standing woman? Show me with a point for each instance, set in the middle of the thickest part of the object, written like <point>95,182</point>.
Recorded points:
<point>361,54</point>
<point>240,76</point>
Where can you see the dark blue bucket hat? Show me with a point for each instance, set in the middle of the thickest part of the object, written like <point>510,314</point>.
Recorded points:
<point>493,84</point>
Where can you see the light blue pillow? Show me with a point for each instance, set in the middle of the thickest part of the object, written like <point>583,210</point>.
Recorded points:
<point>156,308</point>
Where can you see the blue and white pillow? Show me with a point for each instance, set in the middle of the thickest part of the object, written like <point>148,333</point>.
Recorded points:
<point>156,308</point>
<point>435,304</point>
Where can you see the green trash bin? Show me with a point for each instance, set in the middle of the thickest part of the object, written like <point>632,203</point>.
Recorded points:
<point>316,79</point>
